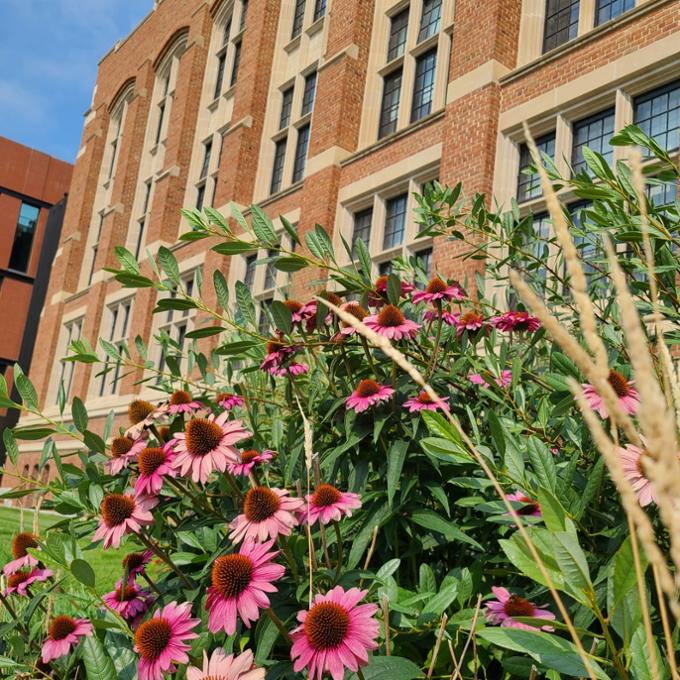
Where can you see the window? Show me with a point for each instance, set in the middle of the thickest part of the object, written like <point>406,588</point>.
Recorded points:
<point>362,228</point>
<point>161,108</point>
<point>95,248</point>
<point>277,170</point>
<point>270,272</point>
<point>244,15</point>
<point>662,194</point>
<point>23,237</point>
<point>286,107</point>
<point>203,178</point>
<point>319,9</point>
<point>609,9</point>
<point>561,23</point>
<point>389,109</point>
<point>430,20</point>
<point>298,18</point>
<point>385,268</point>
<point>71,332</point>
<point>301,153</point>
<point>395,221</point>
<point>263,323</point>
<point>537,246</point>
<point>309,93</point>
<point>114,146</point>
<point>117,319</point>
<point>593,132</point>
<point>657,113</point>
<point>222,60</point>
<point>529,185</point>
<point>423,89</point>
<point>141,222</point>
<point>249,276</point>
<point>398,29</point>
<point>237,63</point>
<point>424,258</point>
<point>586,243</point>
<point>206,159</point>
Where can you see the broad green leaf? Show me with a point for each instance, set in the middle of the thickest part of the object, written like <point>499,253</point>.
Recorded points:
<point>221,289</point>
<point>624,576</point>
<point>238,347</point>
<point>573,565</point>
<point>393,289</point>
<point>445,450</point>
<point>520,558</point>
<point>98,664</point>
<point>94,442</point>
<point>388,569</point>
<point>234,248</point>
<point>244,302</point>
<point>79,414</point>
<point>441,601</point>
<point>10,446</point>
<point>395,463</point>
<point>291,263</point>
<point>283,318</point>
<point>363,538</point>
<point>25,387</point>
<point>431,520</point>
<point>542,462</point>
<point>262,226</point>
<point>83,572</point>
<point>390,668</point>
<point>640,662</point>
<point>206,332</point>
<point>32,433</point>
<point>364,259</point>
<point>496,430</point>
<point>126,259</point>
<point>554,515</point>
<point>290,229</point>
<point>168,264</point>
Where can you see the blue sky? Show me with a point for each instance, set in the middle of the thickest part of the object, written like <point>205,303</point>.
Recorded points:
<point>48,65</point>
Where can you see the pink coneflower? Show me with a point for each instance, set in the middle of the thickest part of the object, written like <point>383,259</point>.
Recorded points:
<point>181,401</point>
<point>63,633</point>
<point>627,394</point>
<point>207,444</point>
<point>154,465</point>
<point>240,582</point>
<point>129,600</point>
<point>135,563</point>
<point>378,296</point>
<point>292,369</point>
<point>438,290</point>
<point>336,633</point>
<point>328,504</point>
<point>161,641</point>
<point>529,507</point>
<point>122,514</point>
<point>19,581</point>
<point>229,401</point>
<point>123,451</point>
<point>392,324</point>
<point>142,414</point>
<point>368,393</point>
<point>501,612</point>
<point>223,667</point>
<point>423,402</point>
<point>504,381</point>
<point>470,321</point>
<point>310,308</point>
<point>297,311</point>
<point>266,514</point>
<point>276,354</point>
<point>357,311</point>
<point>516,321</point>
<point>633,463</point>
<point>20,545</point>
<point>449,318</point>
<point>247,461</point>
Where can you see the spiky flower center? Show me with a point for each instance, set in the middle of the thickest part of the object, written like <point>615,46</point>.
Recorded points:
<point>150,459</point>
<point>249,456</point>
<point>126,594</point>
<point>202,436</point>
<point>20,543</point>
<point>138,410</point>
<point>381,284</point>
<point>232,574</point>
<point>293,305</point>
<point>116,508</point>
<point>180,397</point>
<point>260,504</point>
<point>326,625</point>
<point>152,638</point>
<point>17,578</point>
<point>331,297</point>
<point>273,346</point>
<point>121,445</point>
<point>356,310</point>
<point>424,398</point>
<point>470,318</point>
<point>61,627</point>
<point>518,606</point>
<point>133,561</point>
<point>326,495</point>
<point>390,317</point>
<point>436,285</point>
<point>619,384</point>
<point>367,388</point>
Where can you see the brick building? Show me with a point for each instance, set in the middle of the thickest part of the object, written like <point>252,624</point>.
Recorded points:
<point>330,112</point>
<point>32,199</point>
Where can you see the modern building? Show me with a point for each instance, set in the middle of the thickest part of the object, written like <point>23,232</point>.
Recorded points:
<point>331,112</point>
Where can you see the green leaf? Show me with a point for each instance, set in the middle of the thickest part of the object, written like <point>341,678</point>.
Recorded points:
<point>83,572</point>
<point>238,216</point>
<point>206,332</point>
<point>324,241</point>
<point>542,462</point>
<point>262,226</point>
<point>244,302</point>
<point>624,576</point>
<point>32,433</point>
<point>283,317</point>
<point>79,414</point>
<point>363,538</point>
<point>238,347</point>
<point>639,656</point>
<point>234,248</point>
<point>290,229</point>
<point>94,442</point>
<point>217,218</point>
<point>388,569</point>
<point>169,303</point>
<point>364,259</point>
<point>445,450</point>
<point>126,259</point>
<point>395,463</point>
<point>25,388</point>
<point>431,520</point>
<point>496,430</point>
<point>547,649</point>
<point>520,558</point>
<point>168,264</point>
<point>291,263</point>
<point>554,515</point>
<point>390,668</point>
<point>442,600</point>
<point>98,664</point>
<point>10,445</point>
<point>393,289</point>
<point>573,565</point>
<point>221,288</point>
<point>133,280</point>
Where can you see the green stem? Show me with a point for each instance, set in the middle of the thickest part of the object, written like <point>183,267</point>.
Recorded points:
<point>437,340</point>
<point>338,537</point>
<point>368,355</point>
<point>157,550</point>
<point>279,624</point>
<point>13,614</point>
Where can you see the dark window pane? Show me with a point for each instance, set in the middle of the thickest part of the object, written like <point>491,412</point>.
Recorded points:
<point>593,132</point>
<point>200,196</point>
<point>423,89</point>
<point>657,113</point>
<point>237,62</point>
<point>227,31</point>
<point>301,153</point>
<point>161,116</point>
<point>298,18</point>
<point>663,194</point>
<point>586,244</point>
<point>277,170</point>
<point>23,237</point>
<point>538,247</point>
<point>430,20</point>
<point>395,221</point>
<point>529,185</point>
<point>319,9</point>
<point>385,268</point>
<point>286,105</point>
<point>561,23</point>
<point>362,228</point>
<point>309,93</point>
<point>263,325</point>
<point>398,28</point>
<point>389,109</point>
<point>425,258</point>
<point>221,61</point>
<point>270,272</point>
<point>249,275</point>
<point>114,153</point>
<point>609,9</point>
<point>244,15</point>
<point>206,159</point>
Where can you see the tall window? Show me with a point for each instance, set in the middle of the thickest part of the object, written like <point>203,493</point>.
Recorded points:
<point>397,40</point>
<point>249,275</point>
<point>141,221</point>
<point>71,332</point>
<point>389,109</point>
<point>561,23</point>
<point>395,221</point>
<point>528,183</point>
<point>203,177</point>
<point>115,141</point>
<point>309,93</point>
<point>298,18</point>
<point>236,64</point>
<point>319,9</point>
<point>115,330</point>
<point>244,15</point>
<point>423,90</point>
<point>424,258</point>
<point>586,244</point>
<point>286,108</point>
<point>222,60</point>
<point>657,113</point>
<point>95,248</point>
<point>362,228</point>
<point>277,170</point>
<point>162,108</point>
<point>301,153</point>
<point>595,133</point>
<point>430,19</point>
<point>609,9</point>
<point>23,237</point>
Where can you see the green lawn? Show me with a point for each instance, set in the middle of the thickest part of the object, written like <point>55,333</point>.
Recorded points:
<point>106,563</point>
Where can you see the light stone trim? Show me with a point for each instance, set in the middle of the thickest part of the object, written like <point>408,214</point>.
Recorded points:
<point>487,73</point>
<point>332,156</point>
<point>351,51</point>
